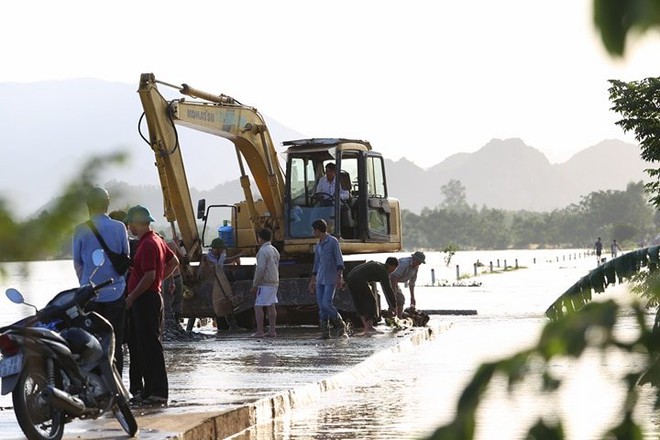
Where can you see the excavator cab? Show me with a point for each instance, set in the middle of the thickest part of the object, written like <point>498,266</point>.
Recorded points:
<point>357,209</point>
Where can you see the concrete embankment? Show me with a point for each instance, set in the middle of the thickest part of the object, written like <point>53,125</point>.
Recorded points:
<point>252,420</point>
<point>257,381</point>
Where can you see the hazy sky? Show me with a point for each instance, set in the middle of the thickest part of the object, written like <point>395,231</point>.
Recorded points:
<point>420,79</point>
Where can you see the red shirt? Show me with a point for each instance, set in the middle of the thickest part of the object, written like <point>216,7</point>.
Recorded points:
<point>151,254</point>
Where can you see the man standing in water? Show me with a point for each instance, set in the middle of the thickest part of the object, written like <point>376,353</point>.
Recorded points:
<point>364,298</point>
<point>614,248</point>
<point>407,271</point>
<point>265,284</point>
<point>598,247</point>
<point>327,276</point>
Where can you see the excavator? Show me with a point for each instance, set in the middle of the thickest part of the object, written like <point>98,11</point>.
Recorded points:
<point>285,201</point>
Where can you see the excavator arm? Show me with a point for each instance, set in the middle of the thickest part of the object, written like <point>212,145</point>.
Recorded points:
<point>222,116</point>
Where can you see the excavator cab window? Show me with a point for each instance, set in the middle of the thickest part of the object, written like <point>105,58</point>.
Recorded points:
<point>303,208</point>
<point>307,202</point>
<point>378,212</point>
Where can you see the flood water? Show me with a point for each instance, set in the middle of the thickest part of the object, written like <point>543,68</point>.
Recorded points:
<point>413,392</point>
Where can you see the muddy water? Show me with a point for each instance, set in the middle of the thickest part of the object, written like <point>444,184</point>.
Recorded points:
<point>405,396</point>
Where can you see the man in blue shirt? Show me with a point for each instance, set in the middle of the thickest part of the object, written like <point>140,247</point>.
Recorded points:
<point>406,272</point>
<point>327,276</point>
<point>110,302</point>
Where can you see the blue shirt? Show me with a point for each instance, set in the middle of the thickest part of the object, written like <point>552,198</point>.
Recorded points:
<point>327,260</point>
<point>85,243</point>
<point>405,272</point>
<point>216,261</point>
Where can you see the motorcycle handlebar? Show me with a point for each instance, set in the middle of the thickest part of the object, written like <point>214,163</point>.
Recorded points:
<point>82,296</point>
<point>103,284</point>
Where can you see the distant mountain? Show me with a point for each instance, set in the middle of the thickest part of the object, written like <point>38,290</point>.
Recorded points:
<point>50,128</point>
<point>508,174</point>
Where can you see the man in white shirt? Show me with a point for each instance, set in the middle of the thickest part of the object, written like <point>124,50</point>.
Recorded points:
<point>265,284</point>
<point>325,188</point>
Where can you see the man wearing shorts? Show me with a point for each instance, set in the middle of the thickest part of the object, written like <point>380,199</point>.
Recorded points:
<point>266,281</point>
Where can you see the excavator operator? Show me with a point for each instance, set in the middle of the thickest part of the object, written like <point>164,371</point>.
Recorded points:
<point>325,188</point>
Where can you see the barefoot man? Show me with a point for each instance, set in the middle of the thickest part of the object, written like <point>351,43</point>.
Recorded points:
<point>265,284</point>
<point>359,281</point>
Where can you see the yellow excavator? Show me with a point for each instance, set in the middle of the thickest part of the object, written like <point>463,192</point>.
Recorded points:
<point>359,213</point>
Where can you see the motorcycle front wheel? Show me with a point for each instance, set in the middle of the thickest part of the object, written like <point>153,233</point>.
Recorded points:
<point>37,419</point>
<point>121,409</point>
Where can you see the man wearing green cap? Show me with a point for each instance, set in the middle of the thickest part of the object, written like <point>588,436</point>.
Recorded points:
<point>406,272</point>
<point>217,255</point>
<point>154,261</point>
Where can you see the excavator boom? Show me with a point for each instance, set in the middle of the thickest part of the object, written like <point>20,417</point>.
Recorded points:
<point>220,116</point>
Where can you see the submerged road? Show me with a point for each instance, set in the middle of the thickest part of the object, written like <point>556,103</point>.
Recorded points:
<point>237,384</point>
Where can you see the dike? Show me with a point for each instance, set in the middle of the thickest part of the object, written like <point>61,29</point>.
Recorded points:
<point>253,420</point>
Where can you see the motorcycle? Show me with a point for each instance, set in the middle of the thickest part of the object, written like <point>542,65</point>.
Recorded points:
<point>59,364</point>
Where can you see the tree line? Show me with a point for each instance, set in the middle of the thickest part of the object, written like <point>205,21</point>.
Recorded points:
<point>626,216</point>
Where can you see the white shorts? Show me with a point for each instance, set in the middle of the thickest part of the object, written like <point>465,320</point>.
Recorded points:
<point>266,296</point>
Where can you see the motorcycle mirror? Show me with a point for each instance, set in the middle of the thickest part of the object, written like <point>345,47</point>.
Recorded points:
<point>15,296</point>
<point>98,257</point>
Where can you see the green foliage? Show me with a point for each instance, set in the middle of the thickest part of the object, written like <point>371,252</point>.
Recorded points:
<point>638,102</point>
<point>449,250</point>
<point>43,236</point>
<point>616,18</point>
<point>455,198</point>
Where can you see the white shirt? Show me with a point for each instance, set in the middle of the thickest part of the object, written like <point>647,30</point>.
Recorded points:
<point>329,188</point>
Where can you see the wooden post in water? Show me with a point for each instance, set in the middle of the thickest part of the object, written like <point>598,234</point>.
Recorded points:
<point>432,277</point>
<point>458,273</point>
<point>516,263</point>
<point>475,269</point>
<point>504,264</point>
<point>491,266</point>
<point>498,262</point>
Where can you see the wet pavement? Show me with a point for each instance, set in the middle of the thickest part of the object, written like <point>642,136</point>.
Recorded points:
<point>248,379</point>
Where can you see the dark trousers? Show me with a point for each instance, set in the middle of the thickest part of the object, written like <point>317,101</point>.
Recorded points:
<point>136,384</point>
<point>147,319</point>
<point>364,298</point>
<point>115,312</point>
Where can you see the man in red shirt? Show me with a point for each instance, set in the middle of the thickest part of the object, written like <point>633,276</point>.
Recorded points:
<point>153,262</point>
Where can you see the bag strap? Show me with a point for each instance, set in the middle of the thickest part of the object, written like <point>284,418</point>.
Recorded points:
<point>91,225</point>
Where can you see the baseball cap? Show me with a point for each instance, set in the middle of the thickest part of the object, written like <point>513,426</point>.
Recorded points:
<point>419,256</point>
<point>138,214</point>
<point>217,243</point>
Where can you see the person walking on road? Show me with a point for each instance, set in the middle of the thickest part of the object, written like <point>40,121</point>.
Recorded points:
<point>154,261</point>
<point>598,247</point>
<point>327,277</point>
<point>265,284</point>
<point>406,272</point>
<point>359,281</point>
